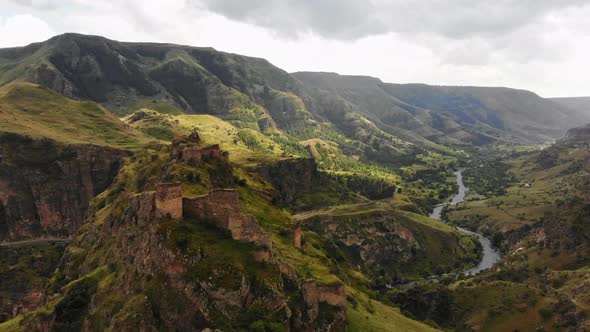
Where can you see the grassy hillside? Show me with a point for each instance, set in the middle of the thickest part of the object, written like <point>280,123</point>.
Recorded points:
<point>579,105</point>
<point>32,110</point>
<point>128,257</point>
<point>499,113</point>
<point>540,222</point>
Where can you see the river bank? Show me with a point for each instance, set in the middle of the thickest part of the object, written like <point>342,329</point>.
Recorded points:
<point>490,255</point>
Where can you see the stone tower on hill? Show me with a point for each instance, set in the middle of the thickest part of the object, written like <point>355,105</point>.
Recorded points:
<point>169,200</point>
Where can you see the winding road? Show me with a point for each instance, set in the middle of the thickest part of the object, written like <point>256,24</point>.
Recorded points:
<point>490,254</point>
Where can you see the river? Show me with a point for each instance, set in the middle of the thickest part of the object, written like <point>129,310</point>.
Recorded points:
<point>490,254</point>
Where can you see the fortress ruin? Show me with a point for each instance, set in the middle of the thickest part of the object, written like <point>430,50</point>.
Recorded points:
<point>220,207</point>
<point>189,149</point>
<point>169,200</point>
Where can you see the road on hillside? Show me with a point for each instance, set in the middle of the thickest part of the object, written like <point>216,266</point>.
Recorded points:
<point>32,242</point>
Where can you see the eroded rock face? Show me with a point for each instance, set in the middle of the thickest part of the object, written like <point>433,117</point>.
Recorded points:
<point>25,272</point>
<point>186,287</point>
<point>45,189</point>
<point>376,243</point>
<point>578,137</point>
<point>291,177</point>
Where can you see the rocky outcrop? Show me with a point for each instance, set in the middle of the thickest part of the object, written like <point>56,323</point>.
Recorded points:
<point>45,188</point>
<point>374,241</point>
<point>142,209</point>
<point>25,272</point>
<point>578,137</point>
<point>388,246</point>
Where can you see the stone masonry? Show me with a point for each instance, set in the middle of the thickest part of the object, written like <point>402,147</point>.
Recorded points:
<point>221,207</point>
<point>169,200</point>
<point>189,149</point>
<point>332,294</point>
<point>197,154</point>
<point>297,234</point>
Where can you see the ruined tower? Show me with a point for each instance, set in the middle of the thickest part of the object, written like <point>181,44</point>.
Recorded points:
<point>297,233</point>
<point>169,200</point>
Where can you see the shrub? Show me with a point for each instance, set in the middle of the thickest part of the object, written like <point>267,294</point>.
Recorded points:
<point>546,313</point>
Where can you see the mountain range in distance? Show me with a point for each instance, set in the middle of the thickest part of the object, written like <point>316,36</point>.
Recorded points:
<point>148,186</point>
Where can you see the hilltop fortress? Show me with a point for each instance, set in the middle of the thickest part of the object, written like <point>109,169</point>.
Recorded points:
<point>220,207</point>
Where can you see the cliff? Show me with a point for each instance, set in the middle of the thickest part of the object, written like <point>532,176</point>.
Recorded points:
<point>46,188</point>
<point>390,246</point>
<point>132,268</point>
<point>578,136</point>
<point>290,178</point>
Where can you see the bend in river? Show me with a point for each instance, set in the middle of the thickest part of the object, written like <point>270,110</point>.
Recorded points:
<point>490,255</point>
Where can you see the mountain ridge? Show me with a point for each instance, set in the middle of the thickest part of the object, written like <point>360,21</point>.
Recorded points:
<point>121,74</point>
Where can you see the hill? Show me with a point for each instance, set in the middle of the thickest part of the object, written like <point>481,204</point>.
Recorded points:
<point>31,110</point>
<point>579,105</point>
<point>231,194</point>
<point>500,114</point>
<point>174,78</point>
<point>64,175</point>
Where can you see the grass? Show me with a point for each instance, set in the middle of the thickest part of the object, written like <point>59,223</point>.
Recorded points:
<point>373,316</point>
<point>500,306</point>
<point>31,110</point>
<point>13,325</point>
<point>521,206</point>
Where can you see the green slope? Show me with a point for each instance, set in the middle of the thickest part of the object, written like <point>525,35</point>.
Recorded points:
<point>31,110</point>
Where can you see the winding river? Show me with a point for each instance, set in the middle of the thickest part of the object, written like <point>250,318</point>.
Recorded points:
<point>490,255</point>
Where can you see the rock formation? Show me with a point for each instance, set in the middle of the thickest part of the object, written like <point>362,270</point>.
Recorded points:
<point>291,177</point>
<point>46,189</point>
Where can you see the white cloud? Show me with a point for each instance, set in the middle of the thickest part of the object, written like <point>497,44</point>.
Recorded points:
<point>20,30</point>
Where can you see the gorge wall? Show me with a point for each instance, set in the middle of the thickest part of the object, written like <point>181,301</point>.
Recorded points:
<point>46,188</point>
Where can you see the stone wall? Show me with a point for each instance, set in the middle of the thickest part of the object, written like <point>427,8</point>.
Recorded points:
<point>297,234</point>
<point>169,200</point>
<point>197,154</point>
<point>332,294</point>
<point>218,207</point>
<point>221,207</point>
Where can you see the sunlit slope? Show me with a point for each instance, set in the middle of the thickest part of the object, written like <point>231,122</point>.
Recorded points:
<point>31,110</point>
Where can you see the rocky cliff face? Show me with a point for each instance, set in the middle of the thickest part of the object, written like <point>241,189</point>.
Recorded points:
<point>291,178</point>
<point>578,135</point>
<point>25,271</point>
<point>388,246</point>
<point>130,269</point>
<point>45,188</point>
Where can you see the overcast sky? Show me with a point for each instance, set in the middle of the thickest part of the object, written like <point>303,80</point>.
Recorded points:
<point>539,45</point>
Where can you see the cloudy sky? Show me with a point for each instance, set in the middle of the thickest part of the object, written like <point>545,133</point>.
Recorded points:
<point>540,45</point>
